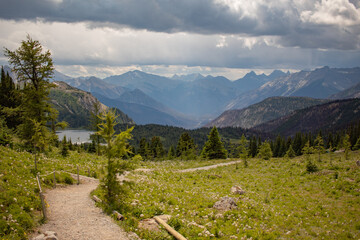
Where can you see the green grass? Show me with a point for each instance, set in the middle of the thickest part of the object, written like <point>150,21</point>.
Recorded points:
<point>19,194</point>
<point>282,200</point>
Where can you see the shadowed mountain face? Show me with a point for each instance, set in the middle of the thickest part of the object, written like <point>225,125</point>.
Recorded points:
<point>332,115</point>
<point>352,92</point>
<point>269,109</point>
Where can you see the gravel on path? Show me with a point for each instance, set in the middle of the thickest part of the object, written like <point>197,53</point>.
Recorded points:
<point>209,167</point>
<point>73,215</point>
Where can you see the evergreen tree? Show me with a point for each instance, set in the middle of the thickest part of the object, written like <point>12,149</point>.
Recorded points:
<point>330,140</point>
<point>307,150</point>
<point>33,68</point>
<point>297,143</point>
<point>171,153</point>
<point>9,101</point>
<point>214,148</point>
<point>265,151</point>
<point>277,147</point>
<point>5,137</point>
<point>186,148</point>
<point>157,148</point>
<point>64,148</point>
<point>253,147</point>
<point>142,148</point>
<point>290,153</point>
<point>243,148</point>
<point>319,146</point>
<point>346,145</point>
<point>116,146</point>
<point>357,144</point>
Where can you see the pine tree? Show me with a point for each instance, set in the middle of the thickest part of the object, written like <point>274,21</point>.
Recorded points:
<point>186,148</point>
<point>297,143</point>
<point>33,68</point>
<point>357,144</point>
<point>253,147</point>
<point>64,148</point>
<point>277,147</point>
<point>214,148</point>
<point>265,151</point>
<point>319,146</point>
<point>116,146</point>
<point>157,148</point>
<point>346,145</point>
<point>290,153</point>
<point>307,150</point>
<point>171,153</point>
<point>9,101</point>
<point>243,148</point>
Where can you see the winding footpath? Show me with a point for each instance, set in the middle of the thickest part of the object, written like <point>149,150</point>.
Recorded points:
<point>73,215</point>
<point>209,167</point>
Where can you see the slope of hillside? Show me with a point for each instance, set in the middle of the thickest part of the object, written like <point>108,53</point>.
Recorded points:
<point>75,106</point>
<point>269,109</point>
<point>352,92</point>
<point>144,114</point>
<point>94,84</point>
<point>320,83</point>
<point>329,116</point>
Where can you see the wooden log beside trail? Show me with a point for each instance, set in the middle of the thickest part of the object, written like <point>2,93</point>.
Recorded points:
<point>172,231</point>
<point>78,177</point>
<point>42,198</point>
<point>96,199</point>
<point>118,215</point>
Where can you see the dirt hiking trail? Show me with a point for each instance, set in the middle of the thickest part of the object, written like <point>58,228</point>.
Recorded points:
<point>72,214</point>
<point>209,167</point>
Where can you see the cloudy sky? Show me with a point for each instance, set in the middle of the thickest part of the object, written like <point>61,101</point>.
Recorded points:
<point>219,37</point>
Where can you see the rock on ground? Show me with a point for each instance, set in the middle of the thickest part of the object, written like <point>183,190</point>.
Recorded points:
<point>225,204</point>
<point>237,190</point>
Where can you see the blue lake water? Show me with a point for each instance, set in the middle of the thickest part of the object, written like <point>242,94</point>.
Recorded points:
<point>76,136</point>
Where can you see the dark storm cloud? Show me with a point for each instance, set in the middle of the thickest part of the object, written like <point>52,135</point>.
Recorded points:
<point>296,23</point>
<point>202,16</point>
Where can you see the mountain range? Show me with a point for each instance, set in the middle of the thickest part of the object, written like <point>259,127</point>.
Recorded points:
<point>75,106</point>
<point>191,101</point>
<point>264,111</point>
<point>335,115</point>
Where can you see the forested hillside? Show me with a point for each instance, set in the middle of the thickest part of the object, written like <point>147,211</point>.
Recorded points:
<point>330,116</point>
<point>269,109</point>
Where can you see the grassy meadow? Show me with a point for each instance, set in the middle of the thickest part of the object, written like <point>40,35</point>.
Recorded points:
<point>281,201</point>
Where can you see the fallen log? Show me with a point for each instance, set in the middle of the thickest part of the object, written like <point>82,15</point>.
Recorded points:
<point>172,231</point>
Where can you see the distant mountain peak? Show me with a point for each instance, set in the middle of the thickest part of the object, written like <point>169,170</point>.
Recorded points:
<point>188,77</point>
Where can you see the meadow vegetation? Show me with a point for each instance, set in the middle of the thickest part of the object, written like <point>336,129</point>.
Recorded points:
<point>19,199</point>
<point>282,199</point>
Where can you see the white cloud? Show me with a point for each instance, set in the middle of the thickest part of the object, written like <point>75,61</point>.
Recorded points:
<point>333,12</point>
<point>79,50</point>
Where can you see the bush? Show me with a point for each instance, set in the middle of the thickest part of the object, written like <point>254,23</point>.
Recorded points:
<point>311,167</point>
